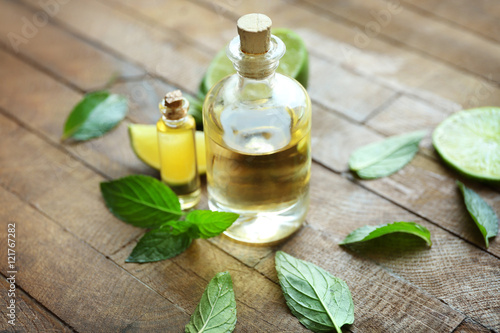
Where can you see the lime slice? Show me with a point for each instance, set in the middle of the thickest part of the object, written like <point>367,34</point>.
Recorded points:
<point>144,141</point>
<point>294,63</point>
<point>469,141</point>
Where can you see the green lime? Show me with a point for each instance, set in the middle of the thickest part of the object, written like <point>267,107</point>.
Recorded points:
<point>469,141</point>
<point>294,63</point>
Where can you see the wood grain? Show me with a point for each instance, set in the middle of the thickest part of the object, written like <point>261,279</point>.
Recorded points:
<point>334,138</point>
<point>482,18</point>
<point>395,67</point>
<point>407,114</point>
<point>46,110</point>
<point>167,57</point>
<point>383,302</point>
<point>419,69</point>
<point>450,44</point>
<point>332,86</point>
<point>469,326</point>
<point>60,187</point>
<point>434,270</point>
<point>30,316</point>
<point>259,301</point>
<point>66,55</point>
<point>77,283</point>
<point>428,188</point>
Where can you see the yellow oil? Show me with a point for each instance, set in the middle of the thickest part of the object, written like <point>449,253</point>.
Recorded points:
<point>178,165</point>
<point>260,171</point>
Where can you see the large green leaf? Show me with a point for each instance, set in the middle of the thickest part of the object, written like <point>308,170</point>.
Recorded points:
<point>141,201</point>
<point>485,217</point>
<point>94,115</point>
<point>216,312</point>
<point>321,301</point>
<point>383,158</point>
<point>159,244</point>
<point>370,232</point>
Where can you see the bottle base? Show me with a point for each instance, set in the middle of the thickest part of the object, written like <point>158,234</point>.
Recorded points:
<point>265,227</point>
<point>190,200</point>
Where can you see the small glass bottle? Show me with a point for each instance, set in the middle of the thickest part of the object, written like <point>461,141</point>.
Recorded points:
<point>257,127</point>
<point>177,148</point>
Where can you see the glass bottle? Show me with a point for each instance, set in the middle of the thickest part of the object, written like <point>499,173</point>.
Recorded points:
<point>177,148</point>
<point>257,127</point>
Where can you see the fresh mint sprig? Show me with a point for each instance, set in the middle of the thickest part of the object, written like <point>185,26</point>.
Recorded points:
<point>146,202</point>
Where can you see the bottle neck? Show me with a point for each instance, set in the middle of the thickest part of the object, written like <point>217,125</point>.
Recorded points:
<point>174,123</point>
<point>256,66</point>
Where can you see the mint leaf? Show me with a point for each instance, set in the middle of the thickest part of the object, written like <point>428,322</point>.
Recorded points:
<point>370,232</point>
<point>209,223</point>
<point>321,301</point>
<point>485,217</point>
<point>216,311</point>
<point>182,227</point>
<point>159,244</point>
<point>383,158</point>
<point>94,115</point>
<point>141,201</point>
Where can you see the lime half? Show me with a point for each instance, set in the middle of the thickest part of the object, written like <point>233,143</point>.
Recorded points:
<point>469,141</point>
<point>294,63</point>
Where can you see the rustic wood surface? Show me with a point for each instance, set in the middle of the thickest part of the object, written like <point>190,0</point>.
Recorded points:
<point>377,68</point>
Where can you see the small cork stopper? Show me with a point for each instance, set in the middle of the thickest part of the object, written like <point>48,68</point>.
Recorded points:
<point>174,106</point>
<point>255,33</point>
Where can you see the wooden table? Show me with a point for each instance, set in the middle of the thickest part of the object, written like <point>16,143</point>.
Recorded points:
<point>377,69</point>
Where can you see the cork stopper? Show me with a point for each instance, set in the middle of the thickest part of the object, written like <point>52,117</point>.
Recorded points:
<point>174,106</point>
<point>255,33</point>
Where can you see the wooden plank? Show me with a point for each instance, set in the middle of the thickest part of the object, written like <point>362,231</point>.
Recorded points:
<point>407,114</point>
<point>106,154</point>
<point>382,302</point>
<point>256,292</point>
<point>458,273</point>
<point>166,56</point>
<point>214,257</point>
<point>30,316</point>
<point>424,186</point>
<point>77,206</point>
<point>179,13</point>
<point>334,138</point>
<point>77,283</point>
<point>448,43</point>
<point>60,187</point>
<point>339,90</point>
<point>469,326</point>
<point>67,57</point>
<point>354,96</point>
<point>383,62</point>
<point>428,188</point>
<point>482,17</point>
<point>259,301</point>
